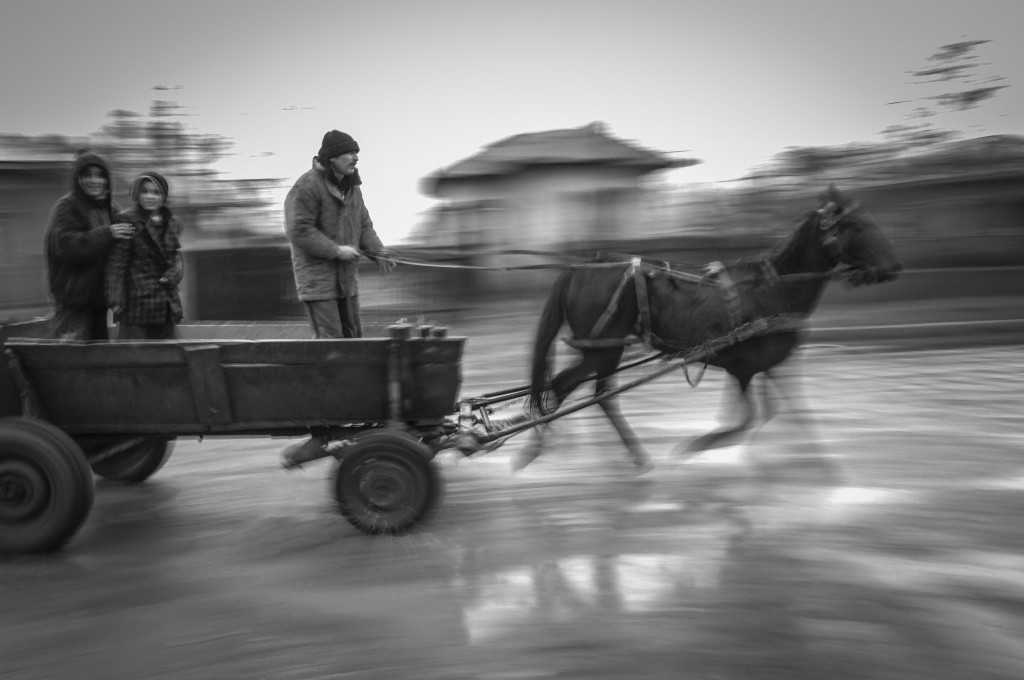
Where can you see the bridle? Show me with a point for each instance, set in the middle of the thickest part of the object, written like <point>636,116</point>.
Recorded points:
<point>829,217</point>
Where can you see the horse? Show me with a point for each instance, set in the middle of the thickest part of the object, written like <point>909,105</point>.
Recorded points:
<point>608,305</point>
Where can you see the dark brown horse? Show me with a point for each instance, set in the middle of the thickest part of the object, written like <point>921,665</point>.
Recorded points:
<point>675,312</point>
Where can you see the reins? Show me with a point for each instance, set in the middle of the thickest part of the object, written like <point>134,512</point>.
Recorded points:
<point>580,263</point>
<point>397,257</point>
<point>715,274</point>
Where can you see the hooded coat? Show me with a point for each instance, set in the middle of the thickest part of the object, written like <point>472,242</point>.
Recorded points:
<point>319,216</point>
<point>78,241</point>
<point>144,271</point>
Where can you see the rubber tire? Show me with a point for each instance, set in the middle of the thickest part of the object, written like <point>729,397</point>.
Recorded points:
<point>138,463</point>
<point>386,483</point>
<point>41,462</point>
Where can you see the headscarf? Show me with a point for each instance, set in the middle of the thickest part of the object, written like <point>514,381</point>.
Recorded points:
<point>83,159</point>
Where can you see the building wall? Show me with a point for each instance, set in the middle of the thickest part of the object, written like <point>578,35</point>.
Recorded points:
<point>540,209</point>
<point>27,194</point>
<point>963,223</point>
<point>547,206</point>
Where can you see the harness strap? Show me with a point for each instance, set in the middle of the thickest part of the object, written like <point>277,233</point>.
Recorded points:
<point>603,343</point>
<point>721,278</point>
<point>694,382</point>
<point>613,306</point>
<point>642,302</point>
<point>729,292</point>
<point>636,273</point>
<point>633,272</point>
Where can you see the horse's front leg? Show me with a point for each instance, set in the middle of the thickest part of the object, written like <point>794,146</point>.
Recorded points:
<point>805,449</point>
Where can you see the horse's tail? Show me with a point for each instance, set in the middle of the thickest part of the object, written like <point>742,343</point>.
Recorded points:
<point>551,320</point>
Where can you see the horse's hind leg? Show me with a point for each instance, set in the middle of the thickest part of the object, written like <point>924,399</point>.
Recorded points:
<point>561,386</point>
<point>629,438</point>
<point>534,445</point>
<point>728,436</point>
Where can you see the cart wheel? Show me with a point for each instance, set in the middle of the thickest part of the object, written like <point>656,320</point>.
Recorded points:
<point>137,463</point>
<point>46,487</point>
<point>386,483</point>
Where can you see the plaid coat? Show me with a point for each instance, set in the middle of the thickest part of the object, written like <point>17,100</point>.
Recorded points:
<point>138,264</point>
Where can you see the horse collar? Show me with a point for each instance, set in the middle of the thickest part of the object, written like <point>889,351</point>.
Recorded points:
<point>730,294</point>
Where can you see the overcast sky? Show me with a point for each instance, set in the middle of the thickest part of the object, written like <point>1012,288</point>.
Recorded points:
<point>422,84</point>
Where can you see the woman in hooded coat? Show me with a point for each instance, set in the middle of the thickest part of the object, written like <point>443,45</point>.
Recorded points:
<point>144,272</point>
<point>81,234</point>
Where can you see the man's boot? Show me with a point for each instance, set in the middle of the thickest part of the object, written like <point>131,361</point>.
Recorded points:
<point>295,455</point>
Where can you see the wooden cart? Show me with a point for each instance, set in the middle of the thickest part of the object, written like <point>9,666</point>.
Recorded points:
<point>385,406</point>
<point>69,410</point>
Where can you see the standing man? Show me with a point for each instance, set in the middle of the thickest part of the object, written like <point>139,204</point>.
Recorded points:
<point>79,239</point>
<point>328,225</point>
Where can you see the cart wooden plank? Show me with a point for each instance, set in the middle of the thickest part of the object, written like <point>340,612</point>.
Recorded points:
<point>200,386</point>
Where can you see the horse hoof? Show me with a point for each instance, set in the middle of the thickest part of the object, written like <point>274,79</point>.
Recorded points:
<point>643,467</point>
<point>524,458</point>
<point>714,440</point>
<point>698,445</point>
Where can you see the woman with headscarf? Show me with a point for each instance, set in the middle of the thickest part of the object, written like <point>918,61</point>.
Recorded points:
<point>144,271</point>
<point>81,234</point>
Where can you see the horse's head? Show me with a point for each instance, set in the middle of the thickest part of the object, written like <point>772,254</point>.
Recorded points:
<point>852,238</point>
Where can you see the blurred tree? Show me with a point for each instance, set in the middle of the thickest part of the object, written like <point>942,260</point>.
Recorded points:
<point>161,141</point>
<point>957,82</point>
<point>212,207</point>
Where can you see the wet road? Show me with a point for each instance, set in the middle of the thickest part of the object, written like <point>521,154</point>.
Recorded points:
<point>881,542</point>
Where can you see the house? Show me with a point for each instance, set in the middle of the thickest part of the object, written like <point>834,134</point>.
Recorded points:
<point>540,191</point>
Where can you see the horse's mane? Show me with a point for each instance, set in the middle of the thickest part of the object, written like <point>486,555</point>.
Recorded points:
<point>792,244</point>
<point>786,247</point>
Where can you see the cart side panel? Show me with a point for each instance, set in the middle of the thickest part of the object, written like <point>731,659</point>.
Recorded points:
<point>308,383</point>
<point>182,387</point>
<point>10,395</point>
<point>320,382</point>
<point>129,387</point>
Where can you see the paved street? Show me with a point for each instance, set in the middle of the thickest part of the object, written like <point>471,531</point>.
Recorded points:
<point>880,542</point>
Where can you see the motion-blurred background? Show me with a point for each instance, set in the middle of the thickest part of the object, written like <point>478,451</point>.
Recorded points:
<point>678,133</point>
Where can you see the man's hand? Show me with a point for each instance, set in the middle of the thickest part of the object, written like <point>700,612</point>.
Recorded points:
<point>121,230</point>
<point>347,254</point>
<point>384,263</point>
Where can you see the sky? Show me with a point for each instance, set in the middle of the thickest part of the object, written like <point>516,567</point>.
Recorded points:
<point>423,84</point>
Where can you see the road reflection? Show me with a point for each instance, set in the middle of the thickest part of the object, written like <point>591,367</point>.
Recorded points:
<point>577,588</point>
<point>885,546</point>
